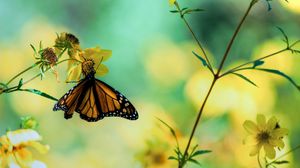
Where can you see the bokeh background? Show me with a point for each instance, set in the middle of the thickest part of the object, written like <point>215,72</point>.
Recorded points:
<point>152,64</point>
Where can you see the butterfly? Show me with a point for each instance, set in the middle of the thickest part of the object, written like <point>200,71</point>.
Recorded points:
<point>93,99</point>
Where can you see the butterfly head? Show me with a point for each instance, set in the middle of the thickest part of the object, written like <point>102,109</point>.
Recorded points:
<point>88,67</point>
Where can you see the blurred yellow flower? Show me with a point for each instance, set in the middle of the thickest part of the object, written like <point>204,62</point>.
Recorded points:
<point>14,149</point>
<point>97,55</point>
<point>265,134</point>
<point>172,2</point>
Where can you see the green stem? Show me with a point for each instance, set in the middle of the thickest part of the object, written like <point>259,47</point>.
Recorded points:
<point>198,118</point>
<point>258,160</point>
<point>15,88</point>
<point>237,68</point>
<point>216,77</point>
<point>195,38</point>
<point>234,36</point>
<point>25,70</point>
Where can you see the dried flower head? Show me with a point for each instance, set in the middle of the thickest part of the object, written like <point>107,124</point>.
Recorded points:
<point>267,135</point>
<point>49,56</point>
<point>67,41</point>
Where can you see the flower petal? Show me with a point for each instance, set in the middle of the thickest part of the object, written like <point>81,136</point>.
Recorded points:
<point>22,136</point>
<point>270,151</point>
<point>272,123</point>
<point>74,73</point>
<point>277,142</point>
<point>250,127</point>
<point>256,148</point>
<point>39,147</point>
<point>38,164</point>
<point>172,2</point>
<point>102,70</point>
<point>279,132</point>
<point>261,121</point>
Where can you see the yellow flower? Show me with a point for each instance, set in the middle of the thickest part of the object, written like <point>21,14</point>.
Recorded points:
<point>14,150</point>
<point>267,135</point>
<point>172,2</point>
<point>96,55</point>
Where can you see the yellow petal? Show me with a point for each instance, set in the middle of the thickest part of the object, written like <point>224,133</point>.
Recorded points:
<point>102,70</point>
<point>74,73</point>
<point>272,123</point>
<point>270,151</point>
<point>279,132</point>
<point>255,149</point>
<point>250,127</point>
<point>97,54</point>
<point>277,142</point>
<point>172,2</point>
<point>261,121</point>
<point>39,147</point>
<point>23,154</point>
<point>251,140</point>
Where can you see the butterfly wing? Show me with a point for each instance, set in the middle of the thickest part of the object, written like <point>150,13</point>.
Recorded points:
<point>68,102</point>
<point>94,100</point>
<point>112,103</point>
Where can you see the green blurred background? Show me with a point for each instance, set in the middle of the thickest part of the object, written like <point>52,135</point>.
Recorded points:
<point>153,65</point>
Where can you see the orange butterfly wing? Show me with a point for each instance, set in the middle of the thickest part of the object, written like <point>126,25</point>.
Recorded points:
<point>94,100</point>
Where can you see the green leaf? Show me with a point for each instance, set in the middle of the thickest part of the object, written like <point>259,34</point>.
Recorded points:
<point>286,39</point>
<point>277,72</point>
<point>3,85</point>
<point>194,161</point>
<point>281,162</point>
<point>245,78</point>
<point>171,129</point>
<point>20,83</point>
<point>172,158</point>
<point>258,63</point>
<point>189,11</point>
<point>174,11</point>
<point>200,152</point>
<point>34,91</point>
<point>201,59</point>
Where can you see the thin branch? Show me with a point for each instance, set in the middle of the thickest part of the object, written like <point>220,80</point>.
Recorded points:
<point>234,36</point>
<point>194,36</point>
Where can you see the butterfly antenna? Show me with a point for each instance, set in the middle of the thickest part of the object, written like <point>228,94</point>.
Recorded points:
<point>99,63</point>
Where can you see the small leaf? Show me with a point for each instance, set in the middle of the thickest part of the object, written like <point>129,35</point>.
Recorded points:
<point>171,129</point>
<point>245,78</point>
<point>281,162</point>
<point>20,83</point>
<point>34,91</point>
<point>172,158</point>
<point>201,59</point>
<point>189,11</point>
<point>194,161</point>
<point>257,63</point>
<point>277,72</point>
<point>286,39</point>
<point>201,152</point>
<point>174,11</point>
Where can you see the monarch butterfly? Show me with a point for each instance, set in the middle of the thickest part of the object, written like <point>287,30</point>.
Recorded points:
<point>93,99</point>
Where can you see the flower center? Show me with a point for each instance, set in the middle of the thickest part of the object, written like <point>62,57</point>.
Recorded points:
<point>88,67</point>
<point>263,136</point>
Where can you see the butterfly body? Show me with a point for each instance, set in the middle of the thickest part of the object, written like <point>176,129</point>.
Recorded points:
<point>93,99</point>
